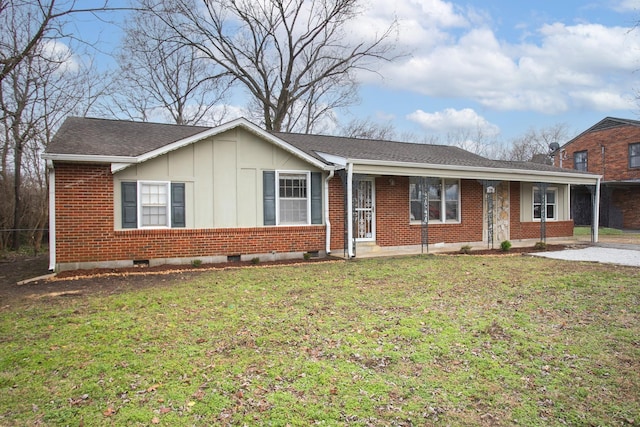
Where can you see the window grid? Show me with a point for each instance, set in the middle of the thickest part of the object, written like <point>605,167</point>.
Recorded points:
<point>551,205</point>
<point>580,160</point>
<point>449,204</point>
<point>634,155</point>
<point>154,204</point>
<point>293,199</point>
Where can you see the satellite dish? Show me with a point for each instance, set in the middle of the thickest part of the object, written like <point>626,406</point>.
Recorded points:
<point>554,146</point>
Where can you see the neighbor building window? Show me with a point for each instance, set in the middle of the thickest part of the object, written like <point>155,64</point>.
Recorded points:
<point>443,199</point>
<point>292,198</point>
<point>153,204</point>
<point>634,155</point>
<point>580,161</point>
<point>551,204</point>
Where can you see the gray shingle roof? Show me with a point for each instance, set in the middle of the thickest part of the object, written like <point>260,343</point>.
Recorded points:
<point>604,124</point>
<point>377,150</point>
<point>102,137</point>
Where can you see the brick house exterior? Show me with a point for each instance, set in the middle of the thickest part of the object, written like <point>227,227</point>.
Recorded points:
<point>126,193</point>
<point>610,148</point>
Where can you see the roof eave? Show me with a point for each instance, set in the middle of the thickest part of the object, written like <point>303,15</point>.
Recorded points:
<point>486,172</point>
<point>87,158</point>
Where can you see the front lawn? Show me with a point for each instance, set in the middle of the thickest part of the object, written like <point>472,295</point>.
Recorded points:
<point>450,340</point>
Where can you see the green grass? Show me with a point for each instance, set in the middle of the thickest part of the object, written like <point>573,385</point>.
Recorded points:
<point>408,341</point>
<point>602,231</point>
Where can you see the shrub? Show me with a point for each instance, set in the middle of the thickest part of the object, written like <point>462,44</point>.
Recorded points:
<point>255,260</point>
<point>540,246</point>
<point>307,256</point>
<point>505,246</point>
<point>196,263</point>
<point>466,249</point>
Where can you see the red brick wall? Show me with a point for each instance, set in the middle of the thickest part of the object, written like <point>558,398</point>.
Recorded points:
<point>531,230</point>
<point>613,164</point>
<point>85,229</point>
<point>627,200</point>
<point>392,215</point>
<point>393,227</point>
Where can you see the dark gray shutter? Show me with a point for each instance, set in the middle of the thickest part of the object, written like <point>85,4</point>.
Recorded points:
<point>269,197</point>
<point>177,205</point>
<point>129,205</point>
<point>316,198</point>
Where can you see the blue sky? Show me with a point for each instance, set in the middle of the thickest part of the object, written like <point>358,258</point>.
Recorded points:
<point>496,65</point>
<point>506,66</point>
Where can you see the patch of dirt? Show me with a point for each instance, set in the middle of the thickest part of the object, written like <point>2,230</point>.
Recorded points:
<point>105,281</point>
<point>15,268</point>
<point>517,250</point>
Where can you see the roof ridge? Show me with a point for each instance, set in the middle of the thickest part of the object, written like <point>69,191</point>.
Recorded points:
<point>138,122</point>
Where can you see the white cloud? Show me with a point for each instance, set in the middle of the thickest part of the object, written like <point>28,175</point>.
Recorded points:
<point>560,67</point>
<point>452,120</point>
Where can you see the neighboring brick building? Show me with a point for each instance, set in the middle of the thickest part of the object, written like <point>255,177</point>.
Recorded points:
<point>610,148</point>
<point>126,193</point>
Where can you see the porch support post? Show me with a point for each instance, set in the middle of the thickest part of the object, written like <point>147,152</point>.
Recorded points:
<point>542,188</point>
<point>489,188</point>
<point>52,216</point>
<point>326,212</point>
<point>350,253</point>
<point>596,213</point>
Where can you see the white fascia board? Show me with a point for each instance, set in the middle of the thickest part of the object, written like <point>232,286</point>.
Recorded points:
<point>243,123</point>
<point>331,158</point>
<point>470,172</point>
<point>87,158</point>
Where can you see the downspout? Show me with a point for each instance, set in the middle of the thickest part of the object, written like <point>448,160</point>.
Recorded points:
<point>52,216</point>
<point>350,209</point>
<point>596,213</point>
<point>326,212</point>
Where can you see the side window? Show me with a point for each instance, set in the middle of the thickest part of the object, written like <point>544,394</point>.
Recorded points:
<point>551,204</point>
<point>444,199</point>
<point>580,160</point>
<point>153,204</point>
<point>634,155</point>
<point>292,198</point>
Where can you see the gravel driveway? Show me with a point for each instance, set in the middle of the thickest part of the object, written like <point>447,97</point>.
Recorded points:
<point>604,253</point>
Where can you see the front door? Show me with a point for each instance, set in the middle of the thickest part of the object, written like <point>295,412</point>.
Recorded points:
<point>364,210</point>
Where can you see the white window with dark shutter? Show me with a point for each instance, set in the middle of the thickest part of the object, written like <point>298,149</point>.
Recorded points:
<point>153,204</point>
<point>292,197</point>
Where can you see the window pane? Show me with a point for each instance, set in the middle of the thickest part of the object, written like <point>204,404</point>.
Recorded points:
<point>537,197</point>
<point>434,210</point>
<point>153,198</point>
<point>551,211</point>
<point>551,197</point>
<point>293,211</point>
<point>634,155</point>
<point>416,210</point>
<point>580,160</point>
<point>452,210</point>
<point>154,216</point>
<point>293,198</point>
<point>536,211</point>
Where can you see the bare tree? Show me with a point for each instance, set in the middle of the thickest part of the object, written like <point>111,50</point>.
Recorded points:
<point>25,24</point>
<point>369,129</point>
<point>158,76</point>
<point>533,145</point>
<point>39,85</point>
<point>294,58</point>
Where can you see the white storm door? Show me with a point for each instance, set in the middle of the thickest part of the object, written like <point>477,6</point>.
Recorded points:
<point>364,211</point>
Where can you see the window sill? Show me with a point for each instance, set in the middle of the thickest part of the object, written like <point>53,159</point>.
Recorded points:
<point>433,222</point>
